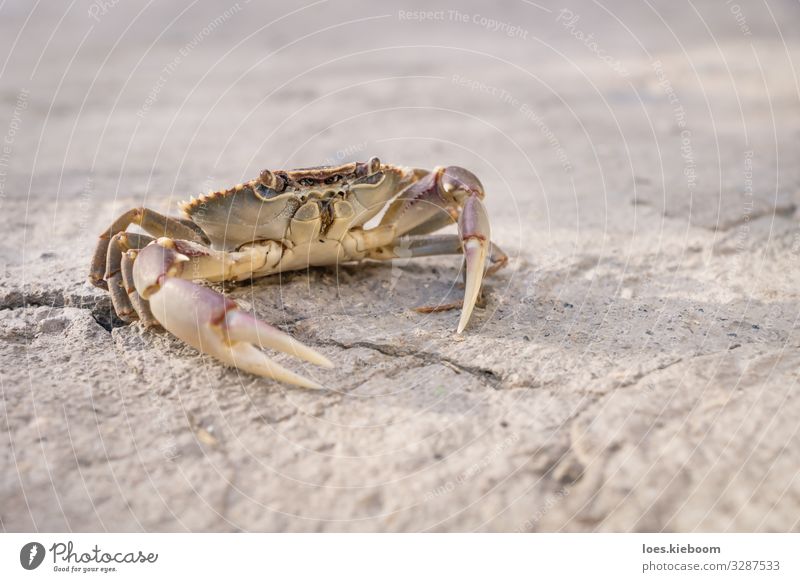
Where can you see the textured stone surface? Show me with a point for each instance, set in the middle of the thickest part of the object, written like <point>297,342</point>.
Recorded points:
<point>635,368</point>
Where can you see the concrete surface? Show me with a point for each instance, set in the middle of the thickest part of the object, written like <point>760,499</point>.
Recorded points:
<point>635,368</point>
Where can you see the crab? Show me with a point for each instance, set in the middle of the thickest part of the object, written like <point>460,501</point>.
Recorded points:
<point>286,220</point>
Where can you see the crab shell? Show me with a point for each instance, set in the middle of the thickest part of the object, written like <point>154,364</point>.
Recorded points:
<point>266,208</point>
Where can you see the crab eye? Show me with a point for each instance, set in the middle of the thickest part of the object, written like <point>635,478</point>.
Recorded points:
<point>373,166</point>
<point>276,182</point>
<point>306,182</point>
<point>333,179</point>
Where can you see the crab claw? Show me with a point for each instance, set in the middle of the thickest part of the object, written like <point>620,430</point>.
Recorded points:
<point>473,228</point>
<point>212,323</point>
<point>243,327</point>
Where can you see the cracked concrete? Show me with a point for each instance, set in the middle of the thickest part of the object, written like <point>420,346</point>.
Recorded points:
<point>635,368</point>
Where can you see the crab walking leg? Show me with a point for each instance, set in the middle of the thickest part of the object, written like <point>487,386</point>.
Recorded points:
<point>421,244</point>
<point>114,278</point>
<point>415,246</point>
<point>116,265</point>
<point>140,306</point>
<point>497,259</point>
<point>152,222</point>
<point>473,228</point>
<point>432,245</point>
<point>441,220</point>
<point>421,209</point>
<point>210,322</point>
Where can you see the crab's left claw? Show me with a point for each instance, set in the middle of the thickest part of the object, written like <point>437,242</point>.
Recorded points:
<point>212,323</point>
<point>473,228</point>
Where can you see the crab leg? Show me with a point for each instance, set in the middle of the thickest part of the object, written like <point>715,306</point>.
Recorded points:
<point>433,245</point>
<point>152,222</point>
<point>434,201</point>
<point>116,266</point>
<point>209,321</point>
<point>473,228</point>
<point>113,277</point>
<point>140,306</point>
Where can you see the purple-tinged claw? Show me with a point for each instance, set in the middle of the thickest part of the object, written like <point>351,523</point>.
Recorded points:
<point>473,227</point>
<point>457,181</point>
<point>213,324</point>
<point>209,321</point>
<point>154,263</point>
<point>243,327</point>
<point>433,201</point>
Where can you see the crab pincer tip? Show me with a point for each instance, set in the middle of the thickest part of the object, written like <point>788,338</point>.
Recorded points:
<point>475,258</point>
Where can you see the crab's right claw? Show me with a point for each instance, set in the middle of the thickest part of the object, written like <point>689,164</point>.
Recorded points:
<point>473,227</point>
<point>212,323</point>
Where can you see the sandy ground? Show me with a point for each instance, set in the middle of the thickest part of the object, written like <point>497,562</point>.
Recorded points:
<point>635,367</point>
